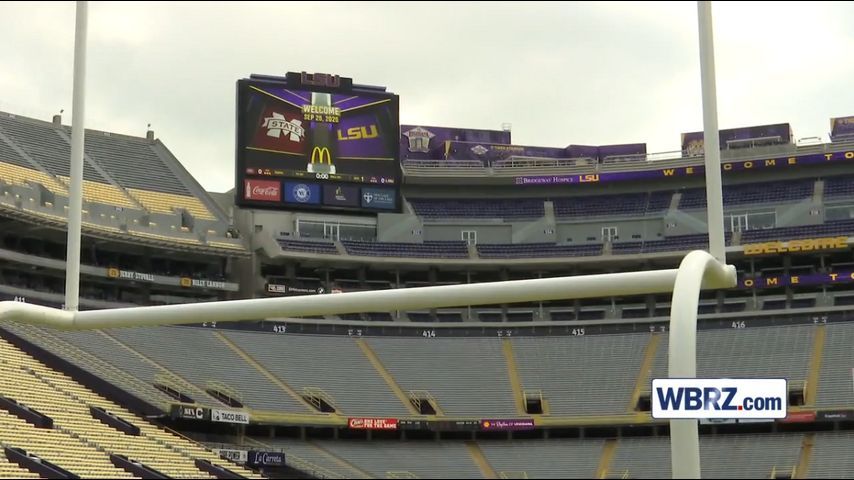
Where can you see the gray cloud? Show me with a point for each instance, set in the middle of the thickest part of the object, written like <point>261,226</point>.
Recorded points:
<point>561,73</point>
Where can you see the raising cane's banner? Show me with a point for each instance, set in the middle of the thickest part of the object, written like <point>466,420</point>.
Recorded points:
<point>372,423</point>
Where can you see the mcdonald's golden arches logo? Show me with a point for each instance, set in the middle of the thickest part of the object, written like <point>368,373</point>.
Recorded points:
<point>319,154</point>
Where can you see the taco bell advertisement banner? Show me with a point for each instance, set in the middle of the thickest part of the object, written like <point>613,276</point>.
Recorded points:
<point>507,425</point>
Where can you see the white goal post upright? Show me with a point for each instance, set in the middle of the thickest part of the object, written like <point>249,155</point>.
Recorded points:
<point>682,363</point>
<point>698,270</point>
<point>75,177</point>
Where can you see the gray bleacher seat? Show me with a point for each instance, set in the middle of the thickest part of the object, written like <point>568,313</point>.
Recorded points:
<point>832,455</point>
<point>9,155</point>
<point>724,456</point>
<point>836,385</point>
<point>593,375</point>
<point>100,356</point>
<point>335,364</point>
<point>760,352</point>
<point>466,376</point>
<point>211,360</point>
<point>422,459</point>
<point>43,144</point>
<point>545,458</point>
<point>311,453</point>
<point>133,163</point>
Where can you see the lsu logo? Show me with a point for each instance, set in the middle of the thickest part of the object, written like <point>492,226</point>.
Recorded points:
<point>359,133</point>
<point>694,398</point>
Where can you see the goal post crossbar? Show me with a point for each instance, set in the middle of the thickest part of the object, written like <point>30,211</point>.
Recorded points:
<point>698,268</point>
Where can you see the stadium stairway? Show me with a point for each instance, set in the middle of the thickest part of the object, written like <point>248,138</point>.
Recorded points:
<point>284,387</point>
<point>815,365</point>
<point>68,404</point>
<point>608,451</point>
<point>480,460</point>
<point>513,376</point>
<point>198,393</point>
<point>805,457</point>
<point>386,376</point>
<point>642,382</point>
<point>338,459</point>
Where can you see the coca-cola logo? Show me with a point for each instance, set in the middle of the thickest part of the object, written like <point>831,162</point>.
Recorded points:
<point>263,190</point>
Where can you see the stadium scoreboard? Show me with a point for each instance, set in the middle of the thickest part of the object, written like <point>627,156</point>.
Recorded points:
<point>316,141</point>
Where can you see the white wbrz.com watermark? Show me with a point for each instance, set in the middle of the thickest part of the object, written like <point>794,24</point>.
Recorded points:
<point>696,398</point>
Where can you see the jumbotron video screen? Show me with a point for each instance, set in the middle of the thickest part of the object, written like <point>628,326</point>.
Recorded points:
<point>316,142</point>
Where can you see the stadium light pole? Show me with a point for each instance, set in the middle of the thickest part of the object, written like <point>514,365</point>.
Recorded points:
<point>75,193</point>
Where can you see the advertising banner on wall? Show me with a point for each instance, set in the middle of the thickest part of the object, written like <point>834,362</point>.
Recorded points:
<point>190,412</point>
<point>778,163</point>
<point>229,416</point>
<point>185,282</point>
<point>692,143</point>
<point>489,153</point>
<point>425,142</point>
<point>341,195</point>
<point>372,423</point>
<point>810,279</point>
<point>236,456</point>
<point>379,198</point>
<point>280,289</point>
<point>842,127</point>
<point>507,424</point>
<point>265,459</point>
<point>835,415</point>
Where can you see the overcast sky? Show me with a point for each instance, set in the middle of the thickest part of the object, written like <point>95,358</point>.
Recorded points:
<point>605,73</point>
